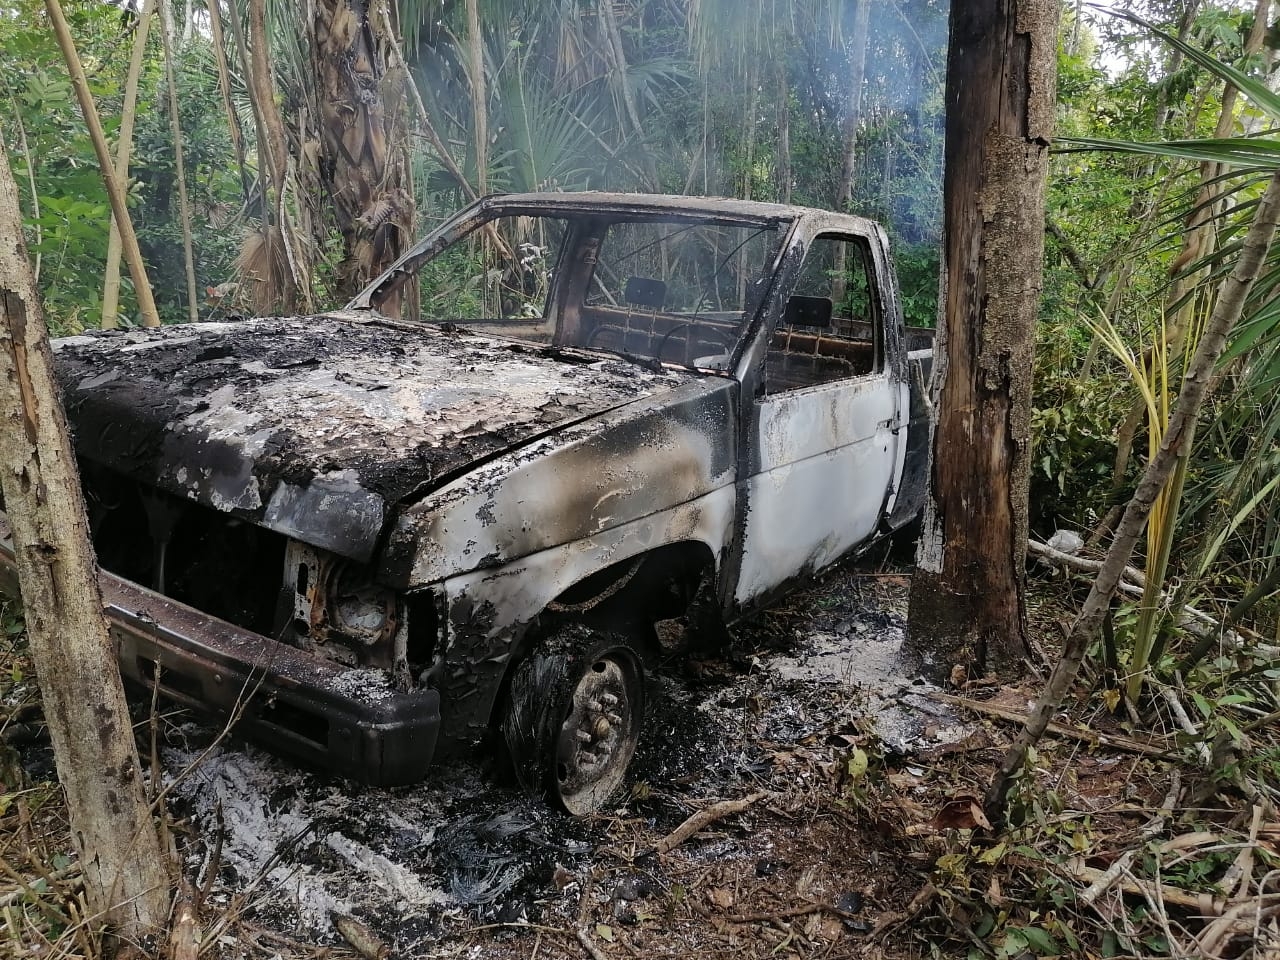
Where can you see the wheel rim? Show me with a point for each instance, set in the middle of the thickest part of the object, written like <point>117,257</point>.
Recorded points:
<point>599,732</point>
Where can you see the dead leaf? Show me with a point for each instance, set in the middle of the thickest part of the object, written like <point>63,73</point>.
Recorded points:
<point>721,897</point>
<point>960,813</point>
<point>1187,841</point>
<point>363,940</point>
<point>831,928</point>
<point>561,878</point>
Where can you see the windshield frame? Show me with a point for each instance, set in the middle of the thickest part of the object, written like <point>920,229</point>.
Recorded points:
<point>578,210</point>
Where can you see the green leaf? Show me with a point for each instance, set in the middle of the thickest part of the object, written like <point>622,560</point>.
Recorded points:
<point>1261,97</point>
<point>857,767</point>
<point>1040,941</point>
<point>1240,152</point>
<point>992,855</point>
<point>604,932</point>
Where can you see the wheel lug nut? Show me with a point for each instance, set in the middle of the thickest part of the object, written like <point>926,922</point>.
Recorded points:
<point>595,706</point>
<point>614,719</point>
<point>582,736</point>
<point>608,699</point>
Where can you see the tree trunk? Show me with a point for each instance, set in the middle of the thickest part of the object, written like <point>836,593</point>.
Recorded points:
<point>853,115</point>
<point>479,94</point>
<point>262,93</point>
<point>967,605</point>
<point>121,857</point>
<point>124,149</point>
<point>175,127</point>
<point>784,135</point>
<point>115,191</point>
<point>1226,311</point>
<point>224,88</point>
<point>364,154</point>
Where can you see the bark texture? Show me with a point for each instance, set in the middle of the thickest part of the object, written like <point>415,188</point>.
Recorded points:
<point>121,857</point>
<point>364,163</point>
<point>967,603</point>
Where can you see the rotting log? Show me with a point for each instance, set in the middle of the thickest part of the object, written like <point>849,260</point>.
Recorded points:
<point>120,853</point>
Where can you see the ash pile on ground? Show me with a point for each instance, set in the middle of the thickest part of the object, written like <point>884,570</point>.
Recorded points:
<point>425,867</point>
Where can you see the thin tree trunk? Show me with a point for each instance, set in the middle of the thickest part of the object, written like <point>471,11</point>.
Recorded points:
<point>224,88</point>
<point>259,127</point>
<point>618,58</point>
<point>115,192</point>
<point>31,179</point>
<point>784,135</point>
<point>175,126</point>
<point>1231,298</point>
<point>121,858</point>
<point>262,93</point>
<point>479,94</point>
<point>124,150</point>
<point>750,108</point>
<point>853,116</point>
<point>967,595</point>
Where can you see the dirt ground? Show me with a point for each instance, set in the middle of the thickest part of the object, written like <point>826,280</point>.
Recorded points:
<point>839,819</point>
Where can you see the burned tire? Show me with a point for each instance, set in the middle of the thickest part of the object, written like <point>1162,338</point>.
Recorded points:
<point>573,716</point>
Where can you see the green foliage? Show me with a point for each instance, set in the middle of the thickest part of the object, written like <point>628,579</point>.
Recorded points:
<point>1073,425</point>
<point>917,269</point>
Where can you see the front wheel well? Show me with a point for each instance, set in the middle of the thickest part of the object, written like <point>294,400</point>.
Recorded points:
<point>657,585</point>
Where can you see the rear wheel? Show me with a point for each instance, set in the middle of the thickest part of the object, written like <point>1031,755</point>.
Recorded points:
<point>573,717</point>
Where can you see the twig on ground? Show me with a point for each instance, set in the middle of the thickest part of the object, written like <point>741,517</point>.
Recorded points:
<point>70,872</point>
<point>1213,939</point>
<point>587,945</point>
<point>924,896</point>
<point>1084,564</point>
<point>1185,725</point>
<point>705,817</point>
<point>1083,734</point>
<point>1205,904</point>
<point>1107,879</point>
<point>804,910</point>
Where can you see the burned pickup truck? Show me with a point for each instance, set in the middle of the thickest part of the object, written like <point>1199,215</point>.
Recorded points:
<point>459,508</point>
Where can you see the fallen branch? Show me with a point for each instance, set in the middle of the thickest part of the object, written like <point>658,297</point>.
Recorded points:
<point>1213,939</point>
<point>588,946</point>
<point>1084,564</point>
<point>1082,734</point>
<point>705,817</point>
<point>1205,905</point>
<point>1191,619</point>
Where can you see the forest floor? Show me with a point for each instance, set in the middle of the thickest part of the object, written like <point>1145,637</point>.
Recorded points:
<point>838,815</point>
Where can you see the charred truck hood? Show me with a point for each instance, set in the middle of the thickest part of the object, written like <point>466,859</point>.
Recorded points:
<point>320,427</point>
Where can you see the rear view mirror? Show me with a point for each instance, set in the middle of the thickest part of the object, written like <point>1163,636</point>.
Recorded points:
<point>808,312</point>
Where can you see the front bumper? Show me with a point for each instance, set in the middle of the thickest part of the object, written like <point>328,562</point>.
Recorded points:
<point>299,705</point>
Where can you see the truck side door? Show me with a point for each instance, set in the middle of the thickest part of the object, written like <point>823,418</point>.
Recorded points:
<point>825,453</point>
